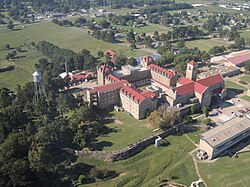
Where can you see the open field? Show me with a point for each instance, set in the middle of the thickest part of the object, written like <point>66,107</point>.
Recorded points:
<point>204,44</point>
<point>153,164</point>
<point>227,171</point>
<point>245,78</point>
<point>233,85</point>
<point>24,67</point>
<point>68,38</point>
<point>126,130</point>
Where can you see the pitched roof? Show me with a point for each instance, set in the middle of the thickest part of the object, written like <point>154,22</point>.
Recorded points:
<point>184,89</point>
<point>112,78</point>
<point>184,80</point>
<point>132,94</point>
<point>211,80</point>
<point>166,86</point>
<point>199,88</point>
<point>239,59</point>
<point>110,86</point>
<point>148,94</point>
<point>162,70</point>
<point>192,62</point>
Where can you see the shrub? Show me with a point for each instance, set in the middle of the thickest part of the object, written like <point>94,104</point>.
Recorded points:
<point>82,179</point>
<point>243,82</point>
<point>206,121</point>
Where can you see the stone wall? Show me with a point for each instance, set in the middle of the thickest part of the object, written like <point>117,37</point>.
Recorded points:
<point>129,151</point>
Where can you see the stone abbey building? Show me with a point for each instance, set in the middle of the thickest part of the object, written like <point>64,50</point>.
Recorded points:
<point>138,89</point>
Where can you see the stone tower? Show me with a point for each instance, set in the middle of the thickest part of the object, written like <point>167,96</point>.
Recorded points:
<point>102,71</point>
<point>192,70</point>
<point>146,60</point>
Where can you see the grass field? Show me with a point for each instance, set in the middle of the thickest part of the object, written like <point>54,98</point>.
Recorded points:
<point>204,44</point>
<point>24,67</point>
<point>245,97</point>
<point>227,171</point>
<point>127,130</point>
<point>195,136</point>
<point>68,38</point>
<point>153,164</point>
<point>245,78</point>
<point>232,85</point>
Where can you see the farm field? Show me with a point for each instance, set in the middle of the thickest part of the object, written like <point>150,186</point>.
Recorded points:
<point>125,130</point>
<point>204,45</point>
<point>227,171</point>
<point>232,85</point>
<point>245,78</point>
<point>152,165</point>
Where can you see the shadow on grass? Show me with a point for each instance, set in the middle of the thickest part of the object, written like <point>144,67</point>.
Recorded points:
<point>100,145</point>
<point>9,68</point>
<point>235,91</point>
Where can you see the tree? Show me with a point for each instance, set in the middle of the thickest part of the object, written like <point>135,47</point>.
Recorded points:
<point>240,43</point>
<point>205,110</point>
<point>10,25</point>
<point>132,61</point>
<point>247,67</point>
<point>181,43</point>
<point>193,109</point>
<point>130,36</point>
<point>132,45</point>
<point>6,47</point>
<point>100,54</point>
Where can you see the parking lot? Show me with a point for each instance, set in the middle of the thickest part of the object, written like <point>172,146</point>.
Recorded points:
<point>228,111</point>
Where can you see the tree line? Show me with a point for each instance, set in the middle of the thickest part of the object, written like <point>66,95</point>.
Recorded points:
<point>82,60</point>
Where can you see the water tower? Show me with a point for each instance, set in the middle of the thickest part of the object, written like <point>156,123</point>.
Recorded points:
<point>39,89</point>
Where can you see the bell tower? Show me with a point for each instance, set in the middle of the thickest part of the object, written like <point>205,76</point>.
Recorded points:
<point>192,70</point>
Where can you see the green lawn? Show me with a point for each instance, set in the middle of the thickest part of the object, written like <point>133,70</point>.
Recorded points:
<point>227,171</point>
<point>126,130</point>
<point>204,44</point>
<point>233,85</point>
<point>245,97</point>
<point>194,135</point>
<point>153,164</point>
<point>245,78</point>
<point>24,67</point>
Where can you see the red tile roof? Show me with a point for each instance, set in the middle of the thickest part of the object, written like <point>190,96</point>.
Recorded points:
<point>184,89</point>
<point>211,80</point>
<point>199,88</point>
<point>81,76</point>
<point>110,86</point>
<point>148,94</point>
<point>184,80</point>
<point>132,94</point>
<point>112,78</point>
<point>162,70</point>
<point>192,63</point>
<point>166,86</point>
<point>239,59</point>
